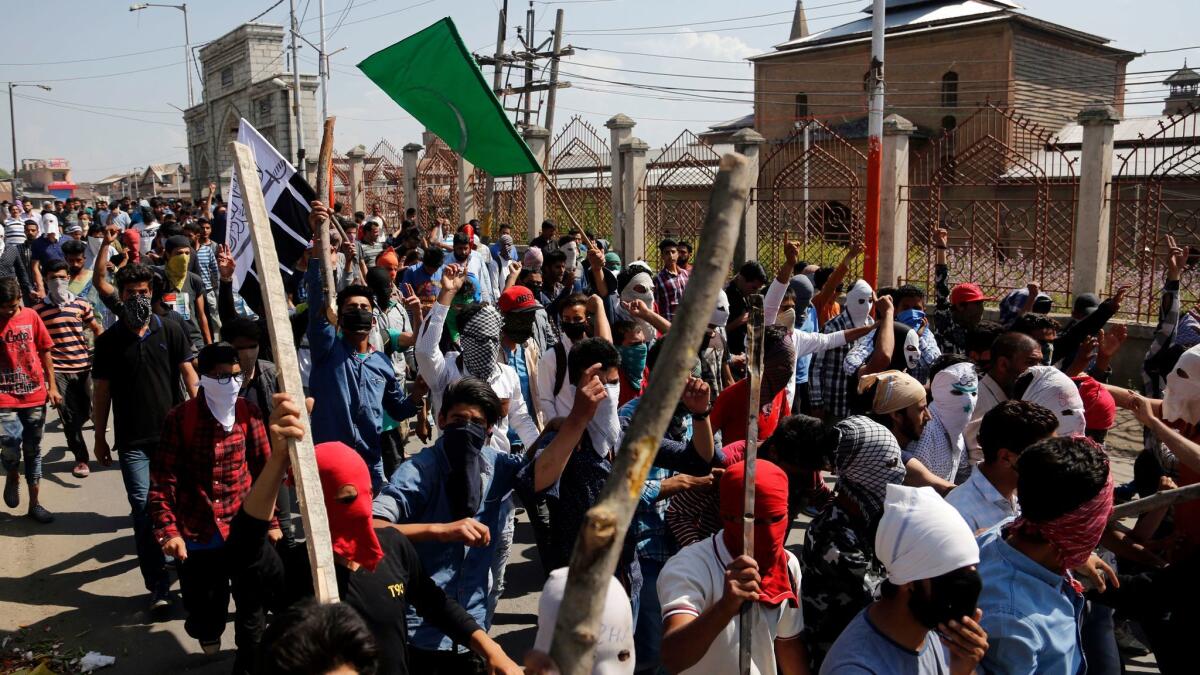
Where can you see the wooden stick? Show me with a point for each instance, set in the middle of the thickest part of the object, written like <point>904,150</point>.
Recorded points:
<point>1155,501</point>
<point>587,241</point>
<point>323,163</point>
<point>754,359</point>
<point>599,543</point>
<point>275,308</point>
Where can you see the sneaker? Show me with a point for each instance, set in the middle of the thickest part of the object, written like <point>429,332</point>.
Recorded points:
<point>12,496</point>
<point>160,600</point>
<point>81,470</point>
<point>40,514</point>
<point>1128,642</point>
<point>210,647</point>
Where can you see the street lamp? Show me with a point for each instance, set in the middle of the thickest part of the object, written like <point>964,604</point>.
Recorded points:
<point>13,122</point>
<point>187,47</point>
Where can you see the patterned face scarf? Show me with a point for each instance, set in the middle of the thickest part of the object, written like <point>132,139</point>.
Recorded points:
<point>868,460</point>
<point>1051,388</point>
<point>779,361</point>
<point>1076,533</point>
<point>480,341</point>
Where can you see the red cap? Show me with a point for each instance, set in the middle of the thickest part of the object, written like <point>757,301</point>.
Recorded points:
<point>517,298</point>
<point>968,293</point>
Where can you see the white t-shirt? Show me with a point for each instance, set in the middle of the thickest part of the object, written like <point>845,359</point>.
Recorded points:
<point>614,648</point>
<point>694,580</point>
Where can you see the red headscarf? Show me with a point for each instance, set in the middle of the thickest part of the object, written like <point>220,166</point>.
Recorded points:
<point>770,528</point>
<point>1075,533</point>
<point>389,261</point>
<point>1099,407</point>
<point>349,524</point>
<point>469,229</point>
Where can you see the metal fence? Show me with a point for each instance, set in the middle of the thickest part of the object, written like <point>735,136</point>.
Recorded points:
<point>1006,191</point>
<point>675,192</point>
<point>1155,192</point>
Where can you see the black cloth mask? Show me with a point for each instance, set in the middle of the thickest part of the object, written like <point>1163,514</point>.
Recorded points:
<point>575,331</point>
<point>356,320</point>
<point>952,595</point>
<point>463,444</point>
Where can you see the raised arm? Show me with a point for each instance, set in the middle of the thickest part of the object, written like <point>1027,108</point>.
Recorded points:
<point>100,267</point>
<point>638,310</point>
<point>885,339</point>
<point>601,322</point>
<point>829,290</point>
<point>551,461</point>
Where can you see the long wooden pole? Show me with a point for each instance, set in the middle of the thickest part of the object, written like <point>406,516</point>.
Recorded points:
<point>598,545</point>
<point>324,159</point>
<point>275,307</point>
<point>754,358</point>
<point>1157,500</point>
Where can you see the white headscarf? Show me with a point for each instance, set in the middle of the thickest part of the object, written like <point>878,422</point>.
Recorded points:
<point>942,448</point>
<point>50,224</point>
<point>1181,401</point>
<point>921,536</point>
<point>858,303</point>
<point>720,315</point>
<point>630,293</point>
<point>1052,389</point>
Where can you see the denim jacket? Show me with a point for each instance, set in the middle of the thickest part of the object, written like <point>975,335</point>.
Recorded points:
<point>416,493</point>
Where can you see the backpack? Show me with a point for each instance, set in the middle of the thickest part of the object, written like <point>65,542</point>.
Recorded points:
<point>560,368</point>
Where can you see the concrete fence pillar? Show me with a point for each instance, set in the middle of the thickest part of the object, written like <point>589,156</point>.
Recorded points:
<point>1090,260</point>
<point>893,211</point>
<point>537,138</point>
<point>749,143</point>
<point>620,128</point>
<point>356,195</point>
<point>466,191</point>
<point>410,154</point>
<point>633,210</point>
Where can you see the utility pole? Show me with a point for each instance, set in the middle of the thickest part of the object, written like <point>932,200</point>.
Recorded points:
<point>874,145</point>
<point>497,80</point>
<point>529,48</point>
<point>324,65</point>
<point>553,93</point>
<point>296,114</point>
<point>12,120</point>
<point>527,57</point>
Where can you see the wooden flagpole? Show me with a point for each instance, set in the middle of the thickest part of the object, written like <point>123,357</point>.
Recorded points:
<point>275,307</point>
<point>754,359</point>
<point>598,545</point>
<point>323,165</point>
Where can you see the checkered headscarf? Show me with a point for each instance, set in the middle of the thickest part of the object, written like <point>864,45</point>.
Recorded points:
<point>868,460</point>
<point>480,341</point>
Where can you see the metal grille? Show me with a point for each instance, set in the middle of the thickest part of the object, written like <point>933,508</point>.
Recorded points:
<point>383,182</point>
<point>437,184</point>
<point>510,204</point>
<point>811,189</point>
<point>1006,191</point>
<point>676,191</point>
<point>580,164</point>
<point>1155,192</point>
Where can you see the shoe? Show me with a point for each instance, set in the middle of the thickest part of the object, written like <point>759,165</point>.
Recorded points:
<point>1127,642</point>
<point>41,515</point>
<point>210,647</point>
<point>160,600</point>
<point>12,496</point>
<point>81,470</point>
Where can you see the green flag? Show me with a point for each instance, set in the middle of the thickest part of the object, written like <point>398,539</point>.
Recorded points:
<point>433,77</point>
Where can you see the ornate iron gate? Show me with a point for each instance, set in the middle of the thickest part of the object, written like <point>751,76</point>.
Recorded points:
<point>811,189</point>
<point>383,182</point>
<point>580,164</point>
<point>676,191</point>
<point>437,184</point>
<point>1155,192</point>
<point>1006,192</point>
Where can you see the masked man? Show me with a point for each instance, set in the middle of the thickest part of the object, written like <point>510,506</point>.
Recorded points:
<point>212,448</point>
<point>703,587</point>
<point>931,590</point>
<point>831,387</point>
<point>942,449</point>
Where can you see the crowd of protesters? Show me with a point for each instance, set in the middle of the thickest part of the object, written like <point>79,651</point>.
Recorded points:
<point>953,467</point>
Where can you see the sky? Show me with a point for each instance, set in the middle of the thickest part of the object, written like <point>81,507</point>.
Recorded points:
<point>117,76</point>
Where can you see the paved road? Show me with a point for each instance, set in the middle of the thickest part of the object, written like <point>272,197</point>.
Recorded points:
<point>76,581</point>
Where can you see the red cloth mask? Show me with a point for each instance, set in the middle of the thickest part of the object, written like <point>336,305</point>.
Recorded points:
<point>349,523</point>
<point>770,528</point>
<point>1099,407</point>
<point>1076,533</point>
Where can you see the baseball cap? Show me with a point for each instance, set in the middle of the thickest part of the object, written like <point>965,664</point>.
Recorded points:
<point>968,293</point>
<point>517,299</point>
<point>1086,303</point>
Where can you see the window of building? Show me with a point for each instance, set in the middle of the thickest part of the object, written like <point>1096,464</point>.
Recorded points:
<point>264,108</point>
<point>227,76</point>
<point>59,176</point>
<point>950,90</point>
<point>801,106</point>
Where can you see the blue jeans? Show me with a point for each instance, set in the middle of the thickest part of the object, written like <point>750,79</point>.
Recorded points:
<point>500,561</point>
<point>21,434</point>
<point>135,472</point>
<point>647,634</point>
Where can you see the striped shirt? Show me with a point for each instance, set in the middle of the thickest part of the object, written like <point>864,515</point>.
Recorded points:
<point>206,260</point>
<point>66,325</point>
<point>668,291</point>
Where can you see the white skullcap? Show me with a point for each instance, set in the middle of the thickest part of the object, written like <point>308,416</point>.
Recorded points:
<point>921,536</point>
<point>614,648</point>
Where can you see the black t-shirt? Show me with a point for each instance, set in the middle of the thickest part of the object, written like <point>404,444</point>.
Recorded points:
<point>737,307</point>
<point>381,597</point>
<point>185,304</point>
<point>143,377</point>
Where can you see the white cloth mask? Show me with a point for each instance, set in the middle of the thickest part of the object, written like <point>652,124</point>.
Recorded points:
<point>859,303</point>
<point>1181,401</point>
<point>222,398</point>
<point>912,349</point>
